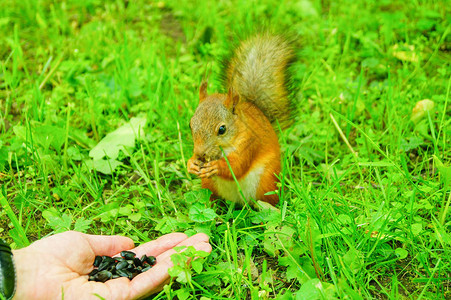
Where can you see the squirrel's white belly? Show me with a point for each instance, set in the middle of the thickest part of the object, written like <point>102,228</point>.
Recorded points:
<point>228,189</point>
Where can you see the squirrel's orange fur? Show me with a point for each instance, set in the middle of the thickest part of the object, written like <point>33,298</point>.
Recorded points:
<point>238,123</point>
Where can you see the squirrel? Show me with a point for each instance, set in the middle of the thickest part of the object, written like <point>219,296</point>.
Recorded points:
<point>242,124</point>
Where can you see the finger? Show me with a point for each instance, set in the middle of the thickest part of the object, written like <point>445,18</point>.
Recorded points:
<point>150,281</point>
<point>210,164</point>
<point>160,245</point>
<point>212,173</point>
<point>194,170</point>
<point>153,280</point>
<point>118,288</point>
<point>208,173</point>
<point>109,245</point>
<point>192,167</point>
<point>204,171</point>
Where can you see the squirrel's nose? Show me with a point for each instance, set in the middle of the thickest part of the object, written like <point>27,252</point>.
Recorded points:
<point>202,158</point>
<point>200,153</point>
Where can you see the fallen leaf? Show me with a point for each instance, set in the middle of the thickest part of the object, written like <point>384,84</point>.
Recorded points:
<point>124,136</point>
<point>421,109</point>
<point>405,53</point>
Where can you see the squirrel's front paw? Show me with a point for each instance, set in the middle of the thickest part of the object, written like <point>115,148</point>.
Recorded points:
<point>209,169</point>
<point>194,166</point>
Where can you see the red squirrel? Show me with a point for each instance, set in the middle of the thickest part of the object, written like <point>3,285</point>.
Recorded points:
<point>241,124</point>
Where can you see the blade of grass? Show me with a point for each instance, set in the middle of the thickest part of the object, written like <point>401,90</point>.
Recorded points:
<point>21,238</point>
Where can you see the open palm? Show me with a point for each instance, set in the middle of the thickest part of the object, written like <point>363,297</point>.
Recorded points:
<point>56,267</point>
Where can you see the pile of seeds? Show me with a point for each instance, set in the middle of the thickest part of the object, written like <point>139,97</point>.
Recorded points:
<point>128,265</point>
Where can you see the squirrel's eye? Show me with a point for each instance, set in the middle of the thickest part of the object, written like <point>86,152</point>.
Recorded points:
<point>221,130</point>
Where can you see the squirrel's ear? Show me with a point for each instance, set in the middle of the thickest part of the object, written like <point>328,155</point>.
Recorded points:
<point>203,91</point>
<point>232,99</point>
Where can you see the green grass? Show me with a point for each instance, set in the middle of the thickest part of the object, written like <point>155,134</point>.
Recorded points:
<point>365,205</point>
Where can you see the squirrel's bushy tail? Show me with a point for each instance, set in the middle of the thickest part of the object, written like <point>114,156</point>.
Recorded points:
<point>259,72</point>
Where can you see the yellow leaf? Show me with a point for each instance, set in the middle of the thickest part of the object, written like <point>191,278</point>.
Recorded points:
<point>405,53</point>
<point>421,109</point>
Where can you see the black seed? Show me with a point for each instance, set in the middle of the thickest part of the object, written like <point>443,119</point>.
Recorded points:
<point>137,262</point>
<point>130,262</point>
<point>143,258</point>
<point>103,266</point>
<point>128,254</point>
<point>107,263</point>
<point>124,273</point>
<point>151,260</point>
<point>122,265</point>
<point>108,267</point>
<point>94,272</point>
<point>107,259</point>
<point>130,268</point>
<point>103,276</point>
<point>128,265</point>
<point>97,261</point>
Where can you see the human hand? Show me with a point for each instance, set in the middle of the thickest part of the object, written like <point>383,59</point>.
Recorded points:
<point>56,267</point>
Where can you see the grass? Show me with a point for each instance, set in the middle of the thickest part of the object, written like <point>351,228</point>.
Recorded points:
<point>364,213</point>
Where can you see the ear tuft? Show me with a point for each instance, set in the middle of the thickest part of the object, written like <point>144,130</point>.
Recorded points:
<point>233,98</point>
<point>203,91</point>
